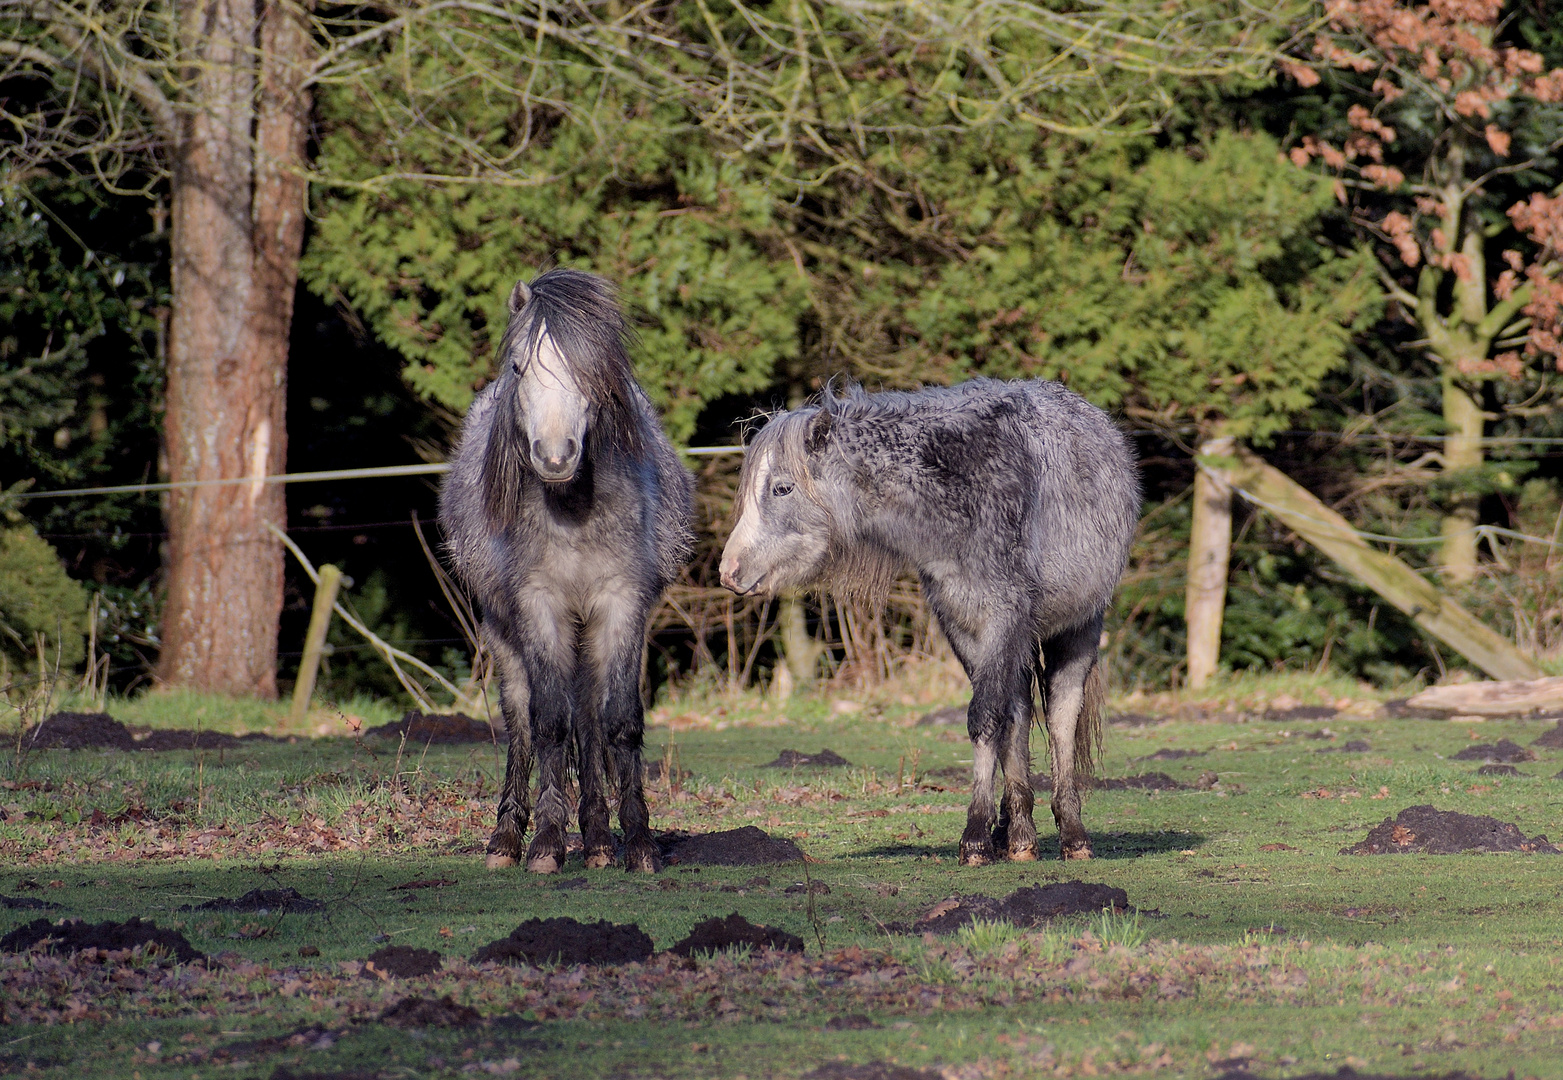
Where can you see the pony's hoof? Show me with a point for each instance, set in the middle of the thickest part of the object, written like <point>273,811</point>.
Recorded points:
<point>976,855</point>
<point>599,861</point>
<point>542,864</point>
<point>497,861</point>
<point>642,858</point>
<point>1025,854</point>
<point>1080,850</point>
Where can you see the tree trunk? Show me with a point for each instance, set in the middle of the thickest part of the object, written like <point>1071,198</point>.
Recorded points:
<point>1462,454</point>
<point>1210,552</point>
<point>800,652</point>
<point>238,230</point>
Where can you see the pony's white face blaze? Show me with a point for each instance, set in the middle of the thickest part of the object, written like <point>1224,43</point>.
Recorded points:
<point>554,410</point>
<point>782,537</point>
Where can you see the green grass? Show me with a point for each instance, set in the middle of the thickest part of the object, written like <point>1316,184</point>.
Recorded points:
<point>1296,959</point>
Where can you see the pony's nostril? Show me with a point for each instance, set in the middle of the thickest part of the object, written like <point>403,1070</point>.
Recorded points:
<point>537,450</point>
<point>570,448</point>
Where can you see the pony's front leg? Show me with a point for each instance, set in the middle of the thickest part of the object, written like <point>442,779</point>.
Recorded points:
<point>616,639</point>
<point>1000,699</point>
<point>1016,835</point>
<point>1071,670</point>
<point>548,652</point>
<point>515,797</point>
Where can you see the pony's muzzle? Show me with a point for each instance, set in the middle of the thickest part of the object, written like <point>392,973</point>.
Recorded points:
<point>731,574</point>
<point>556,464</point>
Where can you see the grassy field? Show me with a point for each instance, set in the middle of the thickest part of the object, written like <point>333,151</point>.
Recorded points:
<point>1257,944</point>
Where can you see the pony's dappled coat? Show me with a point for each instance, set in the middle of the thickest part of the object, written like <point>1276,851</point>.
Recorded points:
<point>1015,503</point>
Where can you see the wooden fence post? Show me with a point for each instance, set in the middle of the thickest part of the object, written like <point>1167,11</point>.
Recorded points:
<point>314,642</point>
<point>1297,507</point>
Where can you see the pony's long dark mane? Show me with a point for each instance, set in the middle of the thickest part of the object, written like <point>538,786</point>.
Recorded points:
<point>580,312</point>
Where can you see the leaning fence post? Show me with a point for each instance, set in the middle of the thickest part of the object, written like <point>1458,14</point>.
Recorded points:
<point>315,641</point>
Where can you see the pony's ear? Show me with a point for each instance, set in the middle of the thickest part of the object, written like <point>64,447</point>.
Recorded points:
<point>519,296</point>
<point>819,432</point>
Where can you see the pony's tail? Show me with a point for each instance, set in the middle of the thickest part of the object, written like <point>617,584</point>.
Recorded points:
<point>1088,728</point>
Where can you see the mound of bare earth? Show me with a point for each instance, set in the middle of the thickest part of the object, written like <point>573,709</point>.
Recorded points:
<point>794,759</point>
<point>80,731</point>
<point>260,901</point>
<point>1503,751</point>
<point>1301,714</point>
<point>416,1012</point>
<point>74,936</point>
<point>1551,739</point>
<point>401,962</point>
<point>1444,832</point>
<point>873,1070</point>
<point>748,846</point>
<point>27,903</point>
<point>949,716</point>
<point>716,935</point>
<point>100,731</point>
<point>1170,755</point>
<point>1151,781</point>
<point>1027,906</point>
<point>441,729</point>
<point>567,942</point>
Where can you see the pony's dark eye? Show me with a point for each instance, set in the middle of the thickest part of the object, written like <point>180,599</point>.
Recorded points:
<point>780,489</point>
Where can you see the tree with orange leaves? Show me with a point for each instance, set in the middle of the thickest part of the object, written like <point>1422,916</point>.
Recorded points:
<point>1452,120</point>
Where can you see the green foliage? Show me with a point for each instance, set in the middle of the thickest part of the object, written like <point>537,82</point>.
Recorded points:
<point>37,598</point>
<point>61,301</point>
<point>1182,285</point>
<point>635,197</point>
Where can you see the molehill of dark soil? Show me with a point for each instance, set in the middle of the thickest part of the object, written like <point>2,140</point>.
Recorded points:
<point>794,759</point>
<point>1444,832</point>
<point>27,903</point>
<point>441,728</point>
<point>1171,755</point>
<point>1504,751</point>
<point>402,962</point>
<point>314,1037</point>
<point>1300,714</point>
<point>1498,770</point>
<point>1400,709</point>
<point>100,731</point>
<point>1346,1072</point>
<point>1133,719</point>
<point>74,936</point>
<point>1351,746</point>
<point>748,846</point>
<point>1552,738</point>
<point>949,716</point>
<point>715,935</point>
<point>1027,906</point>
<point>416,1012</point>
<point>1152,781</point>
<point>260,901</point>
<point>872,1070</point>
<point>565,941</point>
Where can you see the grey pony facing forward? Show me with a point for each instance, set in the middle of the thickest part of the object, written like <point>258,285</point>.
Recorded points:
<point>567,512</point>
<point>1016,504</point>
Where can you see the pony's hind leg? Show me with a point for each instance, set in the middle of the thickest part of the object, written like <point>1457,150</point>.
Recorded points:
<point>515,797</point>
<point>1016,836</point>
<point>1073,713</point>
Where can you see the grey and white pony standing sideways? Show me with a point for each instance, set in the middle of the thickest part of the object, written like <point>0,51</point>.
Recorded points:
<point>1015,503</point>
<point>567,512</point>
